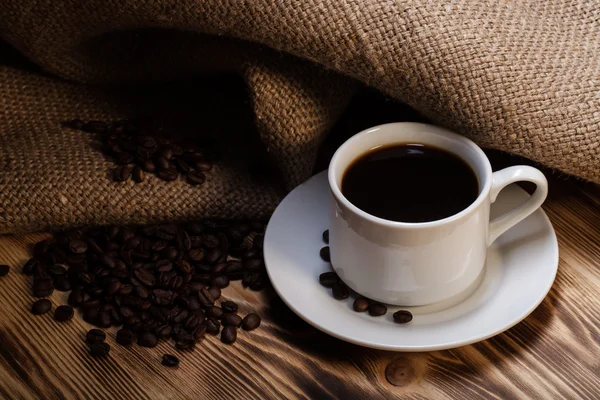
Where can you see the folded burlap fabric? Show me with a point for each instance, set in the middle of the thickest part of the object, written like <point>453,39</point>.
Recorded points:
<point>522,77</point>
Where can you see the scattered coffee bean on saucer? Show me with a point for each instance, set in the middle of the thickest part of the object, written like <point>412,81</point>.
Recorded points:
<point>361,304</point>
<point>326,236</point>
<point>377,309</point>
<point>340,291</point>
<point>328,279</point>
<point>324,253</point>
<point>170,361</point>
<point>402,317</point>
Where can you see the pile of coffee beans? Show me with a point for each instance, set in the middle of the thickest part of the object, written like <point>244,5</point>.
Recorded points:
<point>139,147</point>
<point>340,291</point>
<point>158,282</point>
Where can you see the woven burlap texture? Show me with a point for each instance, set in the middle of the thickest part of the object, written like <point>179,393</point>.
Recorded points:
<point>520,76</point>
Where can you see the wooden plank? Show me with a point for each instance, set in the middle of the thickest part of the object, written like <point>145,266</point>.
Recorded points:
<point>554,353</point>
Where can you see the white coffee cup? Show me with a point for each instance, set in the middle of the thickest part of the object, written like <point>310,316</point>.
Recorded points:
<point>413,264</point>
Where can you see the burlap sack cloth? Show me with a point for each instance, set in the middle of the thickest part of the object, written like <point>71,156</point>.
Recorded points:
<point>520,76</point>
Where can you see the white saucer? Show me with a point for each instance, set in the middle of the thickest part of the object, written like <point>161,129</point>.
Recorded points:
<point>520,269</point>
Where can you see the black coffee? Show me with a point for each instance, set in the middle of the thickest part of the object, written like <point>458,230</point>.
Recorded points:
<point>410,183</point>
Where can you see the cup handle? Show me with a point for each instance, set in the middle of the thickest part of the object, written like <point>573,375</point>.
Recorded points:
<point>505,177</point>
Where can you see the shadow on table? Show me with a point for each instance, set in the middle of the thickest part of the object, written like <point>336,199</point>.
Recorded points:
<point>461,366</point>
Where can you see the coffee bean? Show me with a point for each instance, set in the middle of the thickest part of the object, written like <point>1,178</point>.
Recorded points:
<point>228,334</point>
<point>141,292</point>
<point>205,298</point>
<point>361,304</point>
<point>210,241</point>
<point>214,312</point>
<point>220,281</point>
<point>31,266</point>
<point>195,228</point>
<point>377,309</point>
<point>147,339</point>
<point>182,166</point>
<point>41,307</point>
<point>124,158</point>
<point>196,177</point>
<point>169,253</point>
<point>90,304</point>
<point>76,296</point>
<point>162,297</point>
<point>340,291</point>
<point>164,331</point>
<point>326,236</point>
<point>95,336</point>
<point>229,306</point>
<point>63,313</point>
<point>184,242</point>
<point>113,287</point>
<point>108,261</point>
<point>124,337</point>
<point>231,319</point>
<point>250,322</point>
<point>257,281</point>
<point>254,264</point>
<point>162,162</point>
<point>145,277</point>
<point>170,361</point>
<point>62,284</point>
<point>184,344</point>
<point>99,349</point>
<point>4,269</point>
<point>125,289</point>
<point>194,302</point>
<point>104,319</point>
<point>56,270</point>
<point>213,256</point>
<point>328,279</point>
<point>324,253</point>
<point>138,174</point>
<point>212,326</point>
<point>121,173</point>
<point>199,332</point>
<point>203,166</point>
<point>215,292</point>
<point>219,269</point>
<point>196,255</point>
<point>148,166</point>
<point>42,287</point>
<point>168,175</point>
<point>91,315</point>
<point>251,253</point>
<point>77,246</point>
<point>402,317</point>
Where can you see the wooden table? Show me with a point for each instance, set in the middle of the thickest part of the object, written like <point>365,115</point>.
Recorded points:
<point>553,354</point>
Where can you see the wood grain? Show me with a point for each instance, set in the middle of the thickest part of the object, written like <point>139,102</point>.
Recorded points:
<point>553,354</point>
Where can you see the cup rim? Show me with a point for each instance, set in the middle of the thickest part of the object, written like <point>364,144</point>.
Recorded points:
<point>437,131</point>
